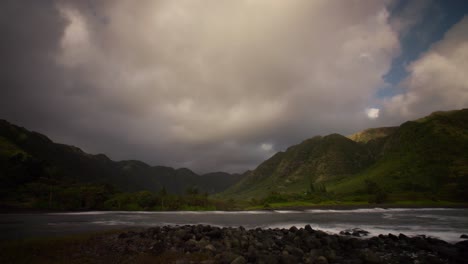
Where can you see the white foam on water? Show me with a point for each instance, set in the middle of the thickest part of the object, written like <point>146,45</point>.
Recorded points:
<point>378,210</point>
<point>449,235</point>
<point>288,211</point>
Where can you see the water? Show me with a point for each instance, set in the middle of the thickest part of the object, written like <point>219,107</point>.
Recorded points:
<point>444,223</point>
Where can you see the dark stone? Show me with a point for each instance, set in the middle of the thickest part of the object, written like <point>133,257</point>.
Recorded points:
<point>321,260</point>
<point>239,260</point>
<point>267,259</point>
<point>293,229</point>
<point>294,251</point>
<point>357,232</point>
<point>289,259</point>
<point>228,257</point>
<point>370,257</point>
<point>402,237</point>
<point>464,236</point>
<point>157,247</point>
<point>420,243</point>
<point>462,244</point>
<point>215,234</point>
<point>449,252</point>
<point>392,237</point>
<point>308,228</point>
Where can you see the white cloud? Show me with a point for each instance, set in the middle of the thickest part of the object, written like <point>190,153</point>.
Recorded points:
<point>266,147</point>
<point>372,113</point>
<point>437,80</point>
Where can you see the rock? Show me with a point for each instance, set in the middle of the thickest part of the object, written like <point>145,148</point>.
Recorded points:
<point>239,260</point>
<point>464,236</point>
<point>182,234</point>
<point>357,232</point>
<point>228,257</point>
<point>293,229</point>
<point>449,252</point>
<point>420,243</point>
<point>321,260</point>
<point>210,248</point>
<point>214,234</point>
<point>402,237</point>
<point>308,228</point>
<point>463,245</point>
<point>392,237</point>
<point>370,257</point>
<point>330,254</point>
<point>294,251</point>
<point>289,259</point>
<point>267,259</point>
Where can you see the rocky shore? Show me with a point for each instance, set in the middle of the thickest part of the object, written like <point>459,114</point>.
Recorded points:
<point>209,244</point>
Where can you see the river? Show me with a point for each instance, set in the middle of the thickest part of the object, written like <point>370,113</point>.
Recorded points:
<point>444,223</point>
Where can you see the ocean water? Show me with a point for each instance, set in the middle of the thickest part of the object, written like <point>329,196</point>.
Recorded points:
<point>443,223</point>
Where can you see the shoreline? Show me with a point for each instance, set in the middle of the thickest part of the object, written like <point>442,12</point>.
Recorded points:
<point>235,245</point>
<point>292,208</point>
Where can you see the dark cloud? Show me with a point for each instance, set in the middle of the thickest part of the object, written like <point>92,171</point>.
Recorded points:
<point>211,85</point>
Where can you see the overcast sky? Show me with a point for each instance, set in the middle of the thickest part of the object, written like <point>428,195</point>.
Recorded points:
<point>221,85</point>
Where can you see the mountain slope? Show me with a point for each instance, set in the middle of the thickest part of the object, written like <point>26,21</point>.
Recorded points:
<point>372,133</point>
<point>316,160</point>
<point>27,156</point>
<point>427,156</point>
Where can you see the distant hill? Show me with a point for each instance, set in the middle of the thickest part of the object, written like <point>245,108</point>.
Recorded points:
<point>28,157</point>
<point>425,158</point>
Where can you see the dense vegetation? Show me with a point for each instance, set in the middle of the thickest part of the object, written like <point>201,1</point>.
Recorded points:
<point>38,173</point>
<point>422,160</point>
<point>36,185</point>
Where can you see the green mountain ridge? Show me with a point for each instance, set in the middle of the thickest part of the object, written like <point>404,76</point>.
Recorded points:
<point>22,151</point>
<point>372,133</point>
<point>422,159</point>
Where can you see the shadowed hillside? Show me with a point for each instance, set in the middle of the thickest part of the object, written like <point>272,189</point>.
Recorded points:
<point>31,162</point>
<point>422,159</point>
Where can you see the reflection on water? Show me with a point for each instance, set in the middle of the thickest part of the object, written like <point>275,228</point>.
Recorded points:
<point>445,223</point>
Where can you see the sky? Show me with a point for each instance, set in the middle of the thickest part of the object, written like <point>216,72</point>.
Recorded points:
<point>222,85</point>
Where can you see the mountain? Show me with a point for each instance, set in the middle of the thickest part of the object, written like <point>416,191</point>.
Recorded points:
<point>422,159</point>
<point>29,157</point>
<point>372,133</point>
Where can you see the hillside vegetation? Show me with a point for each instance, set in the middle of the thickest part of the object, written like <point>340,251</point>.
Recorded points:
<point>421,160</point>
<point>38,173</point>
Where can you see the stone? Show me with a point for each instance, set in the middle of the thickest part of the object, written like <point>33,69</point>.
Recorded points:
<point>294,251</point>
<point>210,248</point>
<point>464,236</point>
<point>371,258</point>
<point>239,260</point>
<point>289,259</point>
<point>267,259</point>
<point>293,229</point>
<point>228,257</point>
<point>321,260</point>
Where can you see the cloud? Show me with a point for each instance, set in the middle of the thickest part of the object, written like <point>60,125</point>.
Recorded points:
<point>437,80</point>
<point>266,147</point>
<point>197,83</point>
<point>372,113</point>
